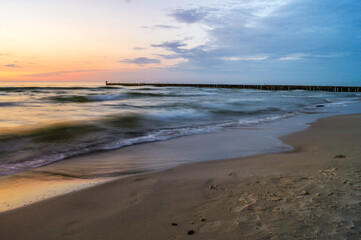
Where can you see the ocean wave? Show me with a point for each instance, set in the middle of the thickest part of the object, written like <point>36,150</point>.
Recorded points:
<point>64,99</point>
<point>9,104</point>
<point>232,112</point>
<point>167,94</point>
<point>271,118</point>
<point>131,116</point>
<point>84,99</point>
<point>72,140</point>
<point>51,157</point>
<point>150,94</point>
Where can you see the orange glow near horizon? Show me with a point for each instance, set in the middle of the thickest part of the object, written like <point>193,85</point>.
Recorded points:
<point>52,47</point>
<point>56,68</point>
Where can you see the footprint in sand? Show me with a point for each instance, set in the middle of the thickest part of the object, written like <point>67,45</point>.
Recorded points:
<point>243,203</point>
<point>69,229</point>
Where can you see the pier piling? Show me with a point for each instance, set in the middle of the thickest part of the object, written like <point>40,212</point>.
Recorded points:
<point>259,87</point>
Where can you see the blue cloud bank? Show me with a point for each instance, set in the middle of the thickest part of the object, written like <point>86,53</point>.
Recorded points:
<point>285,41</point>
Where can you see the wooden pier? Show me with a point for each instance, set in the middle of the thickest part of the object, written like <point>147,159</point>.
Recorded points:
<point>260,87</point>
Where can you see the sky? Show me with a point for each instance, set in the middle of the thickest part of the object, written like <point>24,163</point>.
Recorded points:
<point>205,41</point>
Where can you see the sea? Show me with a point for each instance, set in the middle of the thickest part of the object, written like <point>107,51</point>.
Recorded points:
<point>44,123</point>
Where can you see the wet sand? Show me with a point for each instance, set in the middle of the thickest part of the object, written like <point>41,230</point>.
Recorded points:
<point>312,192</point>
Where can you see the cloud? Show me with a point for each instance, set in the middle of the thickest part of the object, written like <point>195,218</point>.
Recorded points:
<point>171,45</point>
<point>12,66</point>
<point>58,73</point>
<point>299,56</point>
<point>165,26</point>
<point>141,61</point>
<point>178,50</point>
<point>289,58</point>
<point>159,26</point>
<point>189,16</point>
<point>265,36</point>
<point>247,58</point>
<point>139,48</point>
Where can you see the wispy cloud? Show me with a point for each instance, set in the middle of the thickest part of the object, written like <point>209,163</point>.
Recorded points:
<point>246,58</point>
<point>189,16</point>
<point>159,26</point>
<point>299,56</point>
<point>165,26</point>
<point>139,48</point>
<point>178,50</point>
<point>171,45</point>
<point>12,66</point>
<point>291,57</point>
<point>141,61</point>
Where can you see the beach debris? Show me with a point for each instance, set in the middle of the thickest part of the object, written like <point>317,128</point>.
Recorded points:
<point>330,171</point>
<point>174,224</point>
<point>233,174</point>
<point>190,232</point>
<point>274,197</point>
<point>352,226</point>
<point>339,156</point>
<point>243,200</point>
<point>305,192</point>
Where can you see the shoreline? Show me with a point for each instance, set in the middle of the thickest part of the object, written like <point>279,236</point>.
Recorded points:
<point>59,178</point>
<point>218,198</point>
<point>70,175</point>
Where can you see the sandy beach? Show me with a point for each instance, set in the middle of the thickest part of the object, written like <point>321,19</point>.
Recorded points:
<point>312,192</point>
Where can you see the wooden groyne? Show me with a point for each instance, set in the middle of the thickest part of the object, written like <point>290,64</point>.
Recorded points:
<point>260,87</point>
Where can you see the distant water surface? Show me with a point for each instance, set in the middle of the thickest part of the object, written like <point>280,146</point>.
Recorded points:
<point>44,123</point>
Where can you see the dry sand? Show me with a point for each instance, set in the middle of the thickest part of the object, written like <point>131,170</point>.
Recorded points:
<point>313,192</point>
